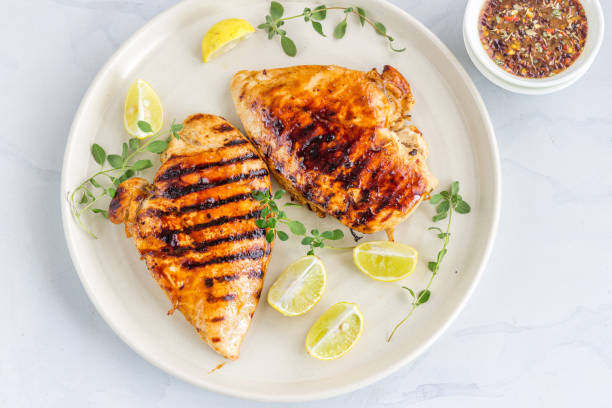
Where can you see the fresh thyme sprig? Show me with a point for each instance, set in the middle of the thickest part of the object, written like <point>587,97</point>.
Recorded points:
<point>122,167</point>
<point>275,20</point>
<point>448,202</point>
<point>272,217</point>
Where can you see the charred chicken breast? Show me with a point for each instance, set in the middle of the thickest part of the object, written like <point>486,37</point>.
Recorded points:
<point>336,139</point>
<point>195,228</point>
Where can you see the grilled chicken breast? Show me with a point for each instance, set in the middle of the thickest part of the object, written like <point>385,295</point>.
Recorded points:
<point>195,228</point>
<point>336,139</point>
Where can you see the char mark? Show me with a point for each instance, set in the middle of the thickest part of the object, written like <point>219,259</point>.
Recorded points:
<point>217,319</point>
<point>225,127</point>
<point>225,298</point>
<point>179,190</point>
<point>205,245</point>
<point>168,236</point>
<point>236,142</point>
<point>177,171</point>
<point>215,339</point>
<point>253,253</point>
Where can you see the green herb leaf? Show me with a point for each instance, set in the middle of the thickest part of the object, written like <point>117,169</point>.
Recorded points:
<point>261,223</point>
<point>307,13</point>
<point>362,15</point>
<point>314,232</point>
<point>265,212</point>
<point>396,49</point>
<point>115,160</point>
<point>348,10</point>
<point>142,164</point>
<point>462,207</point>
<point>435,199</point>
<point>319,13</point>
<point>327,235</point>
<point>381,29</point>
<point>318,28</point>
<point>157,146</point>
<point>297,227</point>
<point>111,191</point>
<point>144,126</point>
<point>134,143</point>
<point>279,194</point>
<point>409,290</point>
<point>124,151</point>
<point>311,252</point>
<point>432,266</point>
<point>439,217</point>
<point>175,129</point>
<point>443,207</point>
<point>270,236</point>
<point>258,195</point>
<point>307,240</point>
<point>276,10</point>
<point>288,46</point>
<point>423,297</point>
<point>445,194</point>
<point>337,234</point>
<point>282,235</point>
<point>83,199</point>
<point>98,153</point>
<point>100,211</point>
<point>290,204</point>
<point>455,188</point>
<point>340,29</point>
<point>273,206</point>
<point>272,223</point>
<point>94,182</point>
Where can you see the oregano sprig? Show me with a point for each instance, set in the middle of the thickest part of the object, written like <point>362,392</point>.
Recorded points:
<point>275,20</point>
<point>272,217</point>
<point>120,168</point>
<point>447,203</point>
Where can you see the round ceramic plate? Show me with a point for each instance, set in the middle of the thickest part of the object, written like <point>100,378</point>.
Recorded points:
<point>273,364</point>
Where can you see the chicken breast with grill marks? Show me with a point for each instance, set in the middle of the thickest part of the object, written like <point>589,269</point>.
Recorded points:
<point>336,139</point>
<point>195,228</point>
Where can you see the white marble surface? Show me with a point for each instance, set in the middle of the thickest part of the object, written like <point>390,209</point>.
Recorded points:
<point>538,331</point>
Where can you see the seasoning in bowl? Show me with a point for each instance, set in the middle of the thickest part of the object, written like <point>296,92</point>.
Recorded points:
<point>533,38</point>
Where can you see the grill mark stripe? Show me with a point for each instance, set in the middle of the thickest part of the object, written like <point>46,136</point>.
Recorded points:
<point>168,235</point>
<point>206,205</point>
<point>204,245</point>
<point>176,190</point>
<point>224,298</point>
<point>236,142</point>
<point>177,171</point>
<point>253,254</point>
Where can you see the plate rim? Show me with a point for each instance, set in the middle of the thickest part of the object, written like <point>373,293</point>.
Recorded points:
<point>492,230</point>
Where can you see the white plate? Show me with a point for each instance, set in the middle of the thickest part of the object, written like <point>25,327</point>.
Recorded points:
<point>273,364</point>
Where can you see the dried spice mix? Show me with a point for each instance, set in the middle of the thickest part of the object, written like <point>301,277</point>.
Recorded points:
<point>533,38</point>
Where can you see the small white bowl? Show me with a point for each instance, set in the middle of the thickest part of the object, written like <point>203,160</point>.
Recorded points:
<point>506,80</point>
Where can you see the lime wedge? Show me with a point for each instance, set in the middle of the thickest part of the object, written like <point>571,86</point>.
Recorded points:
<point>299,287</point>
<point>142,104</point>
<point>384,260</point>
<point>335,332</point>
<point>224,36</point>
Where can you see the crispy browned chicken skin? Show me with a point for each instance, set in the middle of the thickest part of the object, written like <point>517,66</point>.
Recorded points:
<point>336,139</point>
<point>195,228</point>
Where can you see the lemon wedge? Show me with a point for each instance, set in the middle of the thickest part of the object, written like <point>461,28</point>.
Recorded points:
<point>384,260</point>
<point>224,36</point>
<point>142,103</point>
<point>335,332</point>
<point>299,287</point>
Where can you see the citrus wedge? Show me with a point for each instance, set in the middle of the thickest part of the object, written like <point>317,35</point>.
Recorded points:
<point>384,260</point>
<point>299,287</point>
<point>335,332</point>
<point>224,36</point>
<point>142,103</point>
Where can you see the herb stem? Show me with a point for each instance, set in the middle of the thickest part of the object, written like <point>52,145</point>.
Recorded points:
<point>416,302</point>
